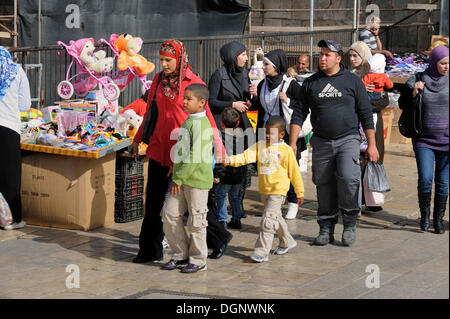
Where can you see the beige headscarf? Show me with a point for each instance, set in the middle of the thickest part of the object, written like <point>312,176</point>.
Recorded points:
<point>362,49</point>
<point>364,52</point>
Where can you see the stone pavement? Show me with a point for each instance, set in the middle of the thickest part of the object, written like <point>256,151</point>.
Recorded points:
<point>411,263</point>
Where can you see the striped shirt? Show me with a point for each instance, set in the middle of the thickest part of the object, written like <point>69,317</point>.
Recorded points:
<point>369,38</point>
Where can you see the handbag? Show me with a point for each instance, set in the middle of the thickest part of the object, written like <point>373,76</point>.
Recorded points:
<point>151,116</point>
<point>410,121</point>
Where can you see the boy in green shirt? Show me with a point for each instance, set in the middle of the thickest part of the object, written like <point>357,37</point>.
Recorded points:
<point>191,180</point>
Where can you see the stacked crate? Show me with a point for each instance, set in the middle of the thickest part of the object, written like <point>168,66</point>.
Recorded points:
<point>129,204</point>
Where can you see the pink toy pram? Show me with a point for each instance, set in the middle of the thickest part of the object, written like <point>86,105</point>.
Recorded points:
<point>123,78</point>
<point>86,79</point>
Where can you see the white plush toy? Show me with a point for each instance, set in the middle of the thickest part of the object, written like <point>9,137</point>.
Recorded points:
<point>95,61</point>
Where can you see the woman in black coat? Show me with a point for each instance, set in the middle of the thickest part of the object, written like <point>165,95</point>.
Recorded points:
<point>230,86</point>
<point>278,95</point>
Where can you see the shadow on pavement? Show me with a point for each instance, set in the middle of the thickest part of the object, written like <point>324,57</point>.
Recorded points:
<point>119,247</point>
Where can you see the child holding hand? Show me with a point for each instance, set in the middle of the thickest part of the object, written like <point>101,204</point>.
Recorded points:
<point>277,168</point>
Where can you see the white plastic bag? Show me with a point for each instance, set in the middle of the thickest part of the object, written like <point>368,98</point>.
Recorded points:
<point>372,198</point>
<point>5,213</point>
<point>287,112</point>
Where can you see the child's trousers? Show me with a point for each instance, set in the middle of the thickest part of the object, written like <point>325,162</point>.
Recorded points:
<point>195,200</point>
<point>272,223</point>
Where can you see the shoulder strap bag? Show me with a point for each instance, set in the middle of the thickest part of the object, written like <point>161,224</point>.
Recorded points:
<point>151,116</point>
<point>410,121</point>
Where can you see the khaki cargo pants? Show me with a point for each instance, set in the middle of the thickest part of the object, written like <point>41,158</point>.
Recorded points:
<point>195,201</point>
<point>272,223</point>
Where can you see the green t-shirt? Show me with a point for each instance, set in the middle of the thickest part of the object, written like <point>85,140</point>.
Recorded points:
<point>193,156</point>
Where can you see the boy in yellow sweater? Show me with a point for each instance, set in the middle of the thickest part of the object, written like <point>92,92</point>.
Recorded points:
<point>277,168</point>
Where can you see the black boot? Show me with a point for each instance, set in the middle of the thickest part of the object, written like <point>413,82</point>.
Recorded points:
<point>440,202</point>
<point>424,205</point>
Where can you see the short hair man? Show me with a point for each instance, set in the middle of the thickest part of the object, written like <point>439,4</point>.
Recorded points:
<point>303,64</point>
<point>369,35</point>
<point>338,101</point>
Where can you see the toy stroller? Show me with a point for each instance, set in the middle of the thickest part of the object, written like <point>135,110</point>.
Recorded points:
<point>87,78</point>
<point>124,77</point>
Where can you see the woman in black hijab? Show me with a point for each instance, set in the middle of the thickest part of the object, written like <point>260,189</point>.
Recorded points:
<point>229,86</point>
<point>277,95</point>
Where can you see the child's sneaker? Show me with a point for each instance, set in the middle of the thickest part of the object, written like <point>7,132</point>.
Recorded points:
<point>173,264</point>
<point>192,268</point>
<point>258,259</point>
<point>18,225</point>
<point>283,250</point>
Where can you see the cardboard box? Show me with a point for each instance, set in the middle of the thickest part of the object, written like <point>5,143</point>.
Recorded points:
<point>387,115</point>
<point>68,192</point>
<point>398,138</point>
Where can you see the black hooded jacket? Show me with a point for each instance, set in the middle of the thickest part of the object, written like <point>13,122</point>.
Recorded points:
<point>229,83</point>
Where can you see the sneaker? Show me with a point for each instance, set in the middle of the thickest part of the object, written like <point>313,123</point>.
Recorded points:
<point>323,239</point>
<point>192,268</point>
<point>283,250</point>
<point>257,258</point>
<point>292,211</point>
<point>173,264</point>
<point>18,225</point>
<point>349,235</point>
<point>235,224</point>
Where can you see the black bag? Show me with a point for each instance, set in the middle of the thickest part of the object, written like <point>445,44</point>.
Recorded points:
<point>410,122</point>
<point>151,116</point>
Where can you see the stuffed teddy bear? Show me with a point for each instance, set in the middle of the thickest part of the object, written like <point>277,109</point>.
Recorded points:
<point>94,61</point>
<point>133,121</point>
<point>128,48</point>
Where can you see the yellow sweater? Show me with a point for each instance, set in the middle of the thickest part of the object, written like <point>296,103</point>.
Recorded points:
<point>277,167</point>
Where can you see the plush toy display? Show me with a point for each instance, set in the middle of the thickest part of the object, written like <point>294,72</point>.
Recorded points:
<point>94,61</point>
<point>128,48</point>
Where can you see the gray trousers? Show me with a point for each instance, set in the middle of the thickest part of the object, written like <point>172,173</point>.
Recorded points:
<point>337,176</point>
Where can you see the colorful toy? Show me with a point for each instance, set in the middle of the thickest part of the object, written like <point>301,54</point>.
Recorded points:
<point>129,63</point>
<point>94,61</point>
<point>86,79</point>
<point>128,48</point>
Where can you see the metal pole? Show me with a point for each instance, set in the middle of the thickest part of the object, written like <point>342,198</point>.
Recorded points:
<point>250,17</point>
<point>355,26</point>
<point>311,27</point>
<point>15,23</point>
<point>39,30</point>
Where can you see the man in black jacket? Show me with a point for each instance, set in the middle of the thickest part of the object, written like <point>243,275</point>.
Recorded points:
<point>338,101</point>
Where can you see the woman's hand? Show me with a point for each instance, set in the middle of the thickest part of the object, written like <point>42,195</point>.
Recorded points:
<point>370,87</point>
<point>283,97</point>
<point>240,106</point>
<point>253,90</point>
<point>134,149</point>
<point>418,86</point>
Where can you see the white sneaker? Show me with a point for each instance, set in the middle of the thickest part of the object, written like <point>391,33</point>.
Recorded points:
<point>292,211</point>
<point>18,225</point>
<point>283,250</point>
<point>258,258</point>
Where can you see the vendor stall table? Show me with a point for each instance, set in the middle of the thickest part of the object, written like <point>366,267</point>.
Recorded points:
<point>69,189</point>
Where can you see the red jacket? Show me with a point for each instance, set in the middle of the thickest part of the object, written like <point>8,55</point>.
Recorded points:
<point>380,80</point>
<point>170,118</point>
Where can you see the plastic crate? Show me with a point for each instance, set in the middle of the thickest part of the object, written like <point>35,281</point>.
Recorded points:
<point>128,166</point>
<point>128,210</point>
<point>130,187</point>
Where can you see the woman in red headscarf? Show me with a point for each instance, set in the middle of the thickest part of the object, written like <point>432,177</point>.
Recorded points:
<point>176,75</point>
